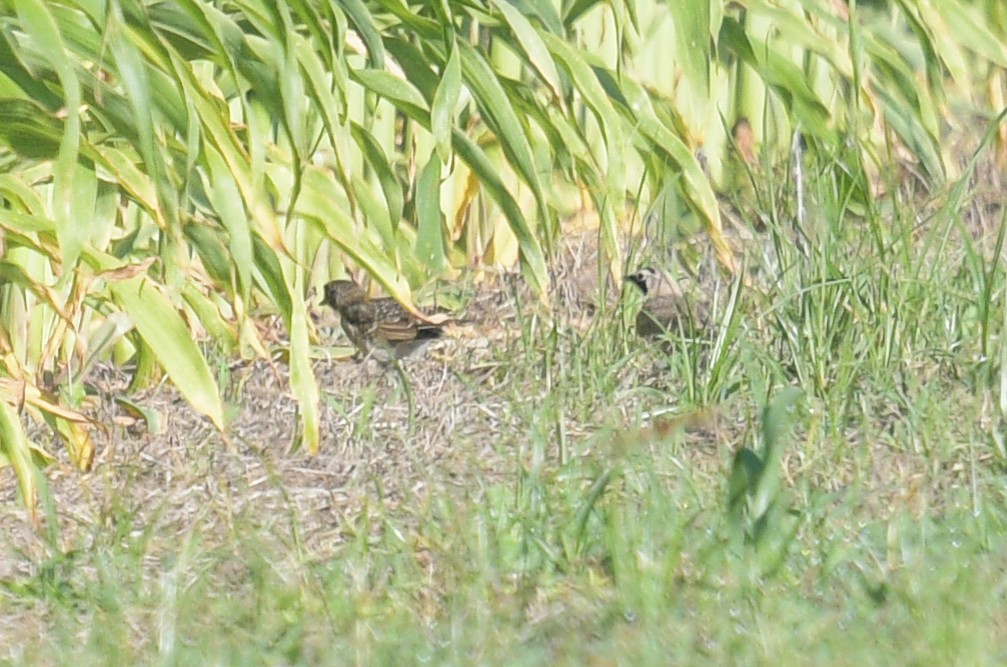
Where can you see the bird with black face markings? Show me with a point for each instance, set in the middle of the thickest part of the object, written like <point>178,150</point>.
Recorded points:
<point>665,307</point>
<point>379,327</point>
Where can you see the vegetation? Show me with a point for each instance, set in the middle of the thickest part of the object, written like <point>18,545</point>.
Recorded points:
<point>818,479</point>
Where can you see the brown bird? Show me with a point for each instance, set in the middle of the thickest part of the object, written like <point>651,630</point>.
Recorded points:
<point>666,306</point>
<point>378,327</point>
<point>744,140</point>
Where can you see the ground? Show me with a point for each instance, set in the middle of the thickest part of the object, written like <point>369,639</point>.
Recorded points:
<point>563,491</point>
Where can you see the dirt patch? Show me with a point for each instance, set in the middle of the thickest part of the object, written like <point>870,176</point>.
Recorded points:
<point>191,473</point>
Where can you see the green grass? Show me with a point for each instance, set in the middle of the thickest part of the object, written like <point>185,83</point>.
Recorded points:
<point>842,504</point>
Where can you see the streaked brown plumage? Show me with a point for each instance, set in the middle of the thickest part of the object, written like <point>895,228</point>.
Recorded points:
<point>666,307</point>
<point>379,327</point>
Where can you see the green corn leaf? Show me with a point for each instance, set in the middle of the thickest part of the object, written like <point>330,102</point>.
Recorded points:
<point>160,325</point>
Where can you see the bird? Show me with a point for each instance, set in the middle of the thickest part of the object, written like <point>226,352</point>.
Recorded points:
<point>744,140</point>
<point>666,306</point>
<point>379,327</point>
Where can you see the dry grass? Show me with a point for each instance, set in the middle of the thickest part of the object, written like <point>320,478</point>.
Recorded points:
<point>468,513</point>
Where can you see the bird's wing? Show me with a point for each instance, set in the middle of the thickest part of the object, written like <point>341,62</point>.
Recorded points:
<point>398,331</point>
<point>391,321</point>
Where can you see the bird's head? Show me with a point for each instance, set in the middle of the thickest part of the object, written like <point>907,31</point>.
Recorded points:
<point>655,283</point>
<point>646,279</point>
<point>342,293</point>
